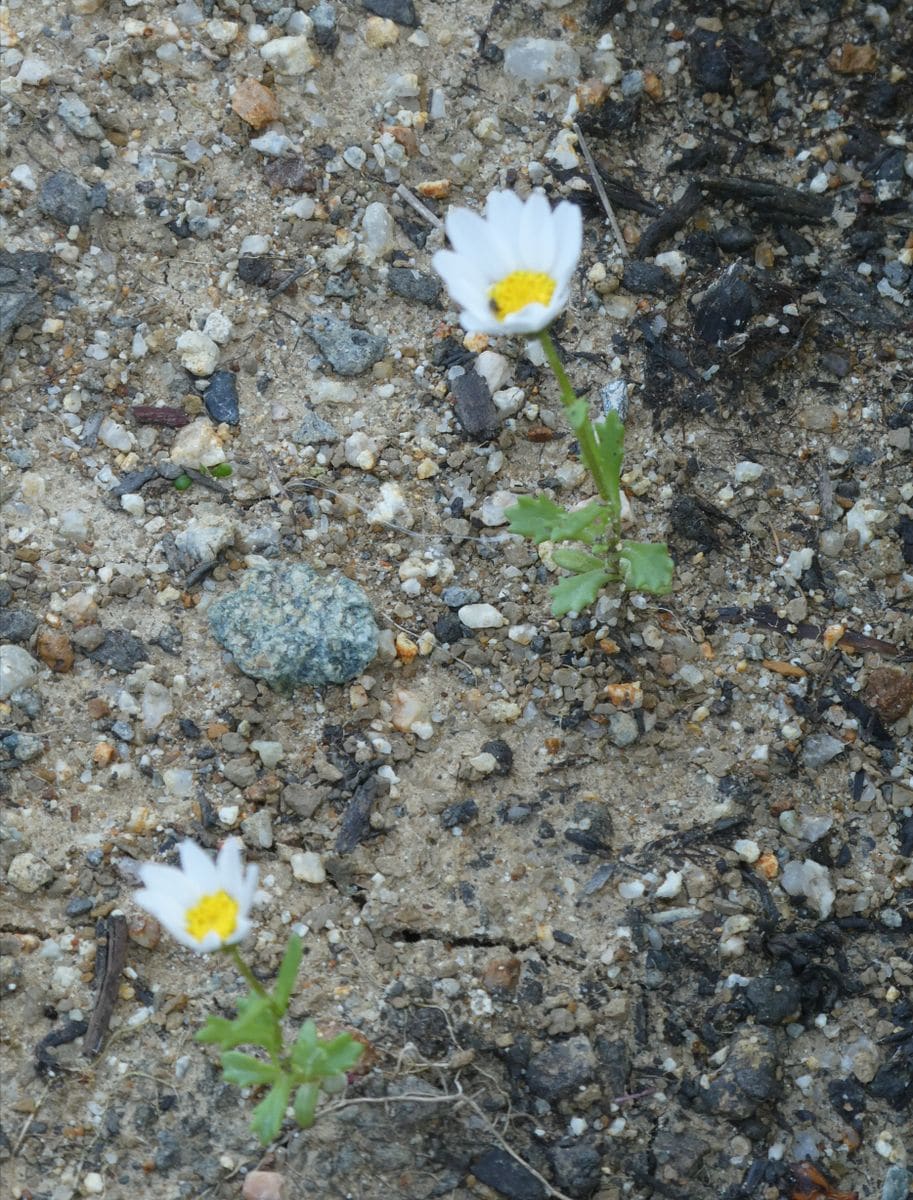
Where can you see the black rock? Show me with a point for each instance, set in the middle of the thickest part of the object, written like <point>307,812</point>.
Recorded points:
<point>501,753</point>
<point>600,12</point>
<point>256,269</point>
<point>679,1153</point>
<point>20,303</point>
<point>323,16</point>
<point>498,1170</point>
<point>577,1166</point>
<point>726,306</point>
<point>459,814</point>
<point>734,239</point>
<point>414,285</point>
<point>449,628</point>
<point>6,593</point>
<point>79,906</point>
<point>121,651</point>
<point>894,1081</point>
<point>749,1076</point>
<point>774,999</point>
<point>168,1153</point>
<point>133,481</point>
<point>690,521</point>
<point>221,398</point>
<point>710,69</point>
<point>561,1068</point>
<point>16,625</point>
<point>66,199</point>
<point>647,279</point>
<point>474,408</point>
<point>400,11</point>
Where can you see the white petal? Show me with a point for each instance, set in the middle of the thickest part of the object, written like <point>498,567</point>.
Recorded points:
<point>531,319</point>
<point>169,912</point>
<point>242,929</point>
<point>568,225</point>
<point>536,235</point>
<point>504,211</point>
<point>230,868</point>
<point>474,321</point>
<point>210,942</point>
<point>465,285</point>
<point>199,867</point>
<point>474,239</point>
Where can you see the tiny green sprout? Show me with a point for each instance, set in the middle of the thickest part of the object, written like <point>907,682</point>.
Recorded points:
<point>220,471</point>
<point>182,483</point>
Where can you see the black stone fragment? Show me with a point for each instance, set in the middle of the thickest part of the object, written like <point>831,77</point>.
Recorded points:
<point>748,1078</point>
<point>66,200</point>
<point>710,69</point>
<point>647,279</point>
<point>355,825</point>
<point>501,753</point>
<point>133,481</point>
<point>577,1165</point>
<point>414,285</point>
<point>121,651</point>
<point>474,408</point>
<point>16,625</point>
<point>561,1068</point>
<point>893,1082</point>
<point>449,628</point>
<point>600,12</point>
<point>774,999</point>
<point>45,1063</point>
<point>733,239</point>
<point>506,1176</point>
<point>400,11</point>
<point>690,520</point>
<point>459,814</point>
<point>255,269</point>
<point>726,306</point>
<point>221,398</point>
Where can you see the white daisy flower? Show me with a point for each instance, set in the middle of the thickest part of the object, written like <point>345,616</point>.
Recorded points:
<point>204,905</point>
<point>510,271</point>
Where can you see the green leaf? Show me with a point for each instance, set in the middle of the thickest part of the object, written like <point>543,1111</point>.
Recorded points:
<point>577,592</point>
<point>255,1025</point>
<point>183,482</point>
<point>534,517</point>
<point>610,438</point>
<point>577,561</point>
<point>340,1054</point>
<point>305,1104</point>
<point>245,1070</point>
<point>646,567</point>
<point>577,413</point>
<point>267,1117</point>
<point>220,470</point>
<point>288,972</point>
<point>305,1050</point>
<point>576,525</point>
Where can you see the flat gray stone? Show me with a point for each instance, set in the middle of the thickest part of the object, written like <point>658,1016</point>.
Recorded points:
<point>348,350</point>
<point>290,626</point>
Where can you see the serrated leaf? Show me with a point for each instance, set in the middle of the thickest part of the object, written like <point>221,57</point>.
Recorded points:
<point>577,561</point>
<point>533,517</point>
<point>255,1025</point>
<point>245,1071</point>
<point>305,1104</point>
<point>305,1050</point>
<point>577,592</point>
<point>288,972</point>
<point>583,524</point>
<point>340,1054</point>
<point>646,567</point>
<point>267,1117</point>
<point>610,438</point>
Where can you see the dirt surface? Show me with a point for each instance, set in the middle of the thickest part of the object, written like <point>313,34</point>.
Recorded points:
<point>620,903</point>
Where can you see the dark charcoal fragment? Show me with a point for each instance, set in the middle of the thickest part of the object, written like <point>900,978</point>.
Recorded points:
<point>355,825</point>
<point>647,279</point>
<point>459,814</point>
<point>600,12</point>
<point>678,1153</point>
<point>561,1068</point>
<point>848,1098</point>
<point>448,628</point>
<point>221,398</point>
<point>400,11</point>
<point>414,285</point>
<point>734,239</point>
<point>894,1081</point>
<point>120,651</point>
<point>748,1078</point>
<point>133,481</point>
<point>506,1176</point>
<point>710,69</point>
<point>474,408</point>
<point>774,999</point>
<point>577,1165</point>
<point>904,529</point>
<point>726,306</point>
<point>16,625</point>
<point>255,269</point>
<point>691,521</point>
<point>502,753</point>
<point>159,414</point>
<point>66,199</point>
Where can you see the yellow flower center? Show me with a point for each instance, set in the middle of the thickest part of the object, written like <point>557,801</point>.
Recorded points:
<point>518,289</point>
<point>217,914</point>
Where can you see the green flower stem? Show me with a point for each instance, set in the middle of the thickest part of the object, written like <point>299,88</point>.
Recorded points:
<point>605,479</point>
<point>243,969</point>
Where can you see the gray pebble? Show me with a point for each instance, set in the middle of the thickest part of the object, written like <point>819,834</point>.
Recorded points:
<point>16,625</point>
<point>456,597</point>
<point>291,626</point>
<point>414,285</point>
<point>348,350</point>
<point>257,830</point>
<point>623,729</point>
<point>119,650</point>
<point>314,430</point>
<point>400,11</point>
<point>65,199</point>
<point>820,749</point>
<point>561,1068</point>
<point>747,1078</point>
<point>474,408</point>
<point>897,1183</point>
